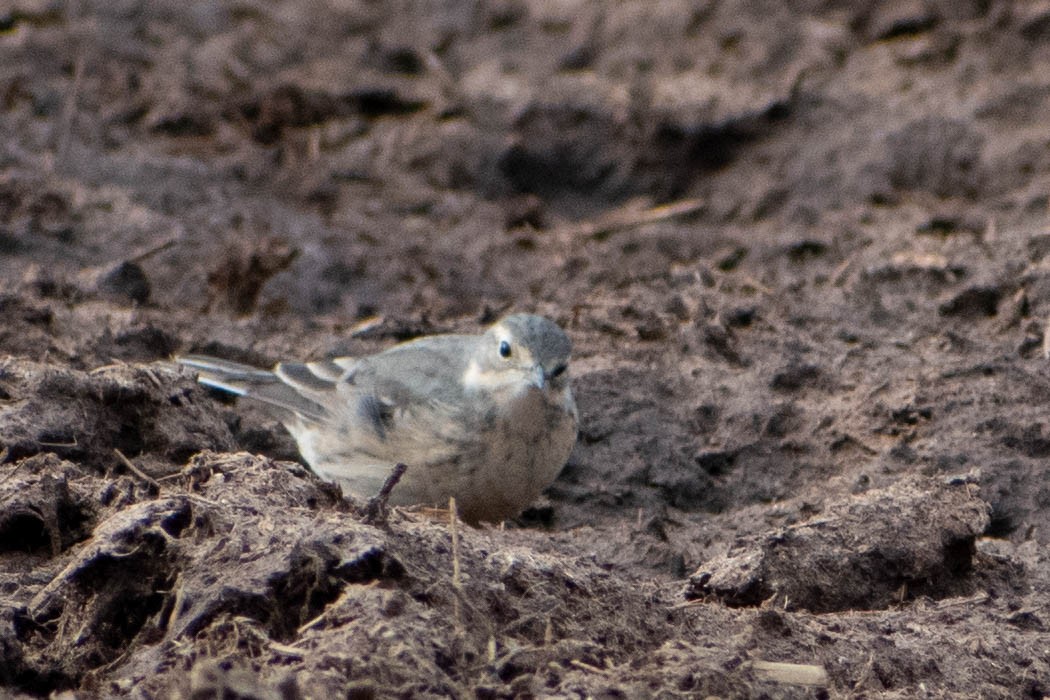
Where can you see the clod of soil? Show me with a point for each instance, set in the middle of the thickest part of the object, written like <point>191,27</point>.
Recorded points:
<point>883,547</point>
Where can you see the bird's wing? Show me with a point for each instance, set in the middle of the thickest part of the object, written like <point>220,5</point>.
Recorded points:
<point>408,399</point>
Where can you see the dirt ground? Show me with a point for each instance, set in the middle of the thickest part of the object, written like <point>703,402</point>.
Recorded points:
<point>801,249</point>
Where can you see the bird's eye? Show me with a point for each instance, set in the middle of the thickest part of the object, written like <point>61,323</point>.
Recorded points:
<point>504,349</point>
<point>558,371</point>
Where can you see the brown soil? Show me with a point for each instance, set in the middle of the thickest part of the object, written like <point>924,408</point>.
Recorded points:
<point>801,249</point>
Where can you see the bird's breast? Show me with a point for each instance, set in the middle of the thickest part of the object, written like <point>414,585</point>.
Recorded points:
<point>524,449</point>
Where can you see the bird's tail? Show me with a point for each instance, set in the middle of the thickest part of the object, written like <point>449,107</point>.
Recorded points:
<point>276,388</point>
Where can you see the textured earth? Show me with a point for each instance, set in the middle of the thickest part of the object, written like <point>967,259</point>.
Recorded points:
<point>802,252</point>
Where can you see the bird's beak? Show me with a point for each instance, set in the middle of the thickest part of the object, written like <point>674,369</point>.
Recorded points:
<point>539,377</point>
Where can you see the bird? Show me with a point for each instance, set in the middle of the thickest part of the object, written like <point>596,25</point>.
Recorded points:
<point>488,419</point>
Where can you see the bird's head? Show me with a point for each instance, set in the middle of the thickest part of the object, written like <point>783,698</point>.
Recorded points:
<point>521,348</point>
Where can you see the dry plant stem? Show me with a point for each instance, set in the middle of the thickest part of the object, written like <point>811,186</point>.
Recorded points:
<point>630,217</point>
<point>376,509</point>
<point>136,471</point>
<point>287,650</point>
<point>176,606</point>
<point>453,525</point>
<point>791,674</point>
<point>584,666</point>
<point>154,249</point>
<point>972,600</point>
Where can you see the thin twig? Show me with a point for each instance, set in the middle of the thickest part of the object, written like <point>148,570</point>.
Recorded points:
<point>168,477</point>
<point>153,250</point>
<point>953,602</point>
<point>58,444</point>
<point>589,668</point>
<point>376,510</point>
<point>629,217</point>
<point>200,499</point>
<point>136,471</point>
<point>286,649</point>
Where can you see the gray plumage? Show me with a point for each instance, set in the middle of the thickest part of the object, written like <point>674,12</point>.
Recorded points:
<point>489,419</point>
